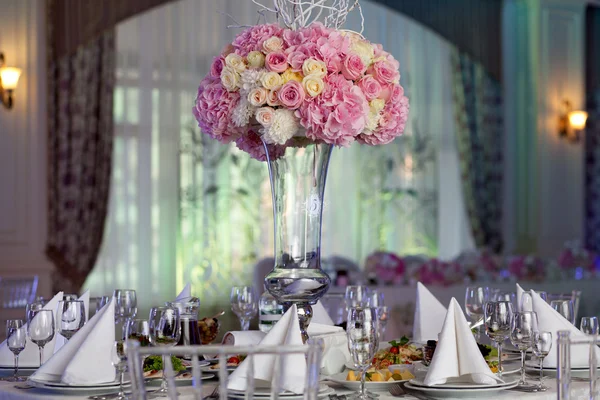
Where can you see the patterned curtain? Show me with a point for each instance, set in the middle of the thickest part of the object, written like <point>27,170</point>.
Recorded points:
<point>479,135</point>
<point>80,137</point>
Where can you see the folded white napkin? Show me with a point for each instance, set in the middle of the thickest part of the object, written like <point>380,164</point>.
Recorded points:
<point>320,315</point>
<point>87,357</point>
<point>457,357</point>
<point>286,332</point>
<point>185,293</point>
<point>60,339</point>
<point>30,356</point>
<point>335,351</point>
<point>243,338</point>
<point>520,293</point>
<point>550,320</point>
<point>429,316</point>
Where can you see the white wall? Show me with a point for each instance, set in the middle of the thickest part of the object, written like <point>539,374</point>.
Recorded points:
<point>23,145</point>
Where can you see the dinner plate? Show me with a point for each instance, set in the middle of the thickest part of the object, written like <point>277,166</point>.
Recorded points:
<point>265,392</point>
<point>462,385</point>
<point>201,364</point>
<point>440,392</point>
<point>59,384</point>
<point>179,381</point>
<point>579,372</point>
<point>74,390</point>
<point>340,379</point>
<point>28,370</point>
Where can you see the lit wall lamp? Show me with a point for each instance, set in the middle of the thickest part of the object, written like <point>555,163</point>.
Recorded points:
<point>9,77</point>
<point>571,122</point>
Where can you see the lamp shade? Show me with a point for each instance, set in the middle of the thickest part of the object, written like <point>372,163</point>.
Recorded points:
<point>10,77</point>
<point>577,119</point>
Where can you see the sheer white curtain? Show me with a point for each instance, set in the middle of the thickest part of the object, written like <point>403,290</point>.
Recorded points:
<point>184,208</point>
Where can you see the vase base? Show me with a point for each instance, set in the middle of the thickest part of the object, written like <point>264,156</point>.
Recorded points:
<point>305,313</point>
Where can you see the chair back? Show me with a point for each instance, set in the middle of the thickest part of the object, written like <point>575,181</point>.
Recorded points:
<point>312,351</point>
<point>18,292</point>
<point>564,372</point>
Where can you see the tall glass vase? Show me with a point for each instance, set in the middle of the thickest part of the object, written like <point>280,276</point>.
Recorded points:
<point>298,185</point>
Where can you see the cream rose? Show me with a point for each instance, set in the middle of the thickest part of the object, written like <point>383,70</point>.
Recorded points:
<point>314,67</point>
<point>271,80</point>
<point>230,79</point>
<point>376,105</point>
<point>290,75</point>
<point>264,116</point>
<point>256,59</point>
<point>272,44</point>
<point>313,85</point>
<point>236,62</point>
<point>257,97</point>
<point>365,51</point>
<point>273,98</point>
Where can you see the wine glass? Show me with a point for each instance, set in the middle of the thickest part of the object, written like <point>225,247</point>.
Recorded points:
<point>41,329</point>
<point>564,308</point>
<point>164,331</point>
<point>100,302</point>
<point>542,344</point>
<point>125,304</point>
<point>383,315</point>
<point>244,304</point>
<point>119,361</point>
<point>32,308</point>
<point>543,295</point>
<point>498,316</point>
<point>71,317</point>
<point>356,296</point>
<point>475,299</point>
<point>137,329</point>
<point>523,327</point>
<point>526,302</point>
<point>507,296</point>
<point>363,341</point>
<point>16,339</point>
<point>589,325</point>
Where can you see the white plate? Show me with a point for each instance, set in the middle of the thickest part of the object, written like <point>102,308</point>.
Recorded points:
<point>179,381</point>
<point>188,364</point>
<point>59,384</point>
<point>74,390</point>
<point>579,372</point>
<point>461,385</point>
<point>355,385</point>
<point>321,395</point>
<point>266,392</point>
<point>442,393</point>
<point>24,369</point>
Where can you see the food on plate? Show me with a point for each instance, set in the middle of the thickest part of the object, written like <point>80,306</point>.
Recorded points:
<point>209,329</point>
<point>399,352</point>
<point>493,365</point>
<point>384,375</point>
<point>153,366</point>
<point>231,362</point>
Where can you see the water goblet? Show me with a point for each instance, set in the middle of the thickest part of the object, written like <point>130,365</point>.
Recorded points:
<point>543,295</point>
<point>125,304</point>
<point>164,331</point>
<point>475,299</point>
<point>99,302</point>
<point>40,329</point>
<point>363,342</point>
<point>526,302</point>
<point>564,308</point>
<point>383,316</point>
<point>507,296</point>
<point>16,339</point>
<point>119,361</point>
<point>523,327</point>
<point>32,308</point>
<point>589,325</point>
<point>542,344</point>
<point>498,316</point>
<point>244,304</point>
<point>71,317</point>
<point>356,296</point>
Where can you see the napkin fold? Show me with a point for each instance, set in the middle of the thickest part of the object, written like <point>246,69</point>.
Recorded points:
<point>520,293</point>
<point>60,339</point>
<point>185,293</point>
<point>243,338</point>
<point>335,347</point>
<point>87,357</point>
<point>550,320</point>
<point>457,357</point>
<point>320,315</point>
<point>286,332</point>
<point>429,316</point>
<point>30,356</point>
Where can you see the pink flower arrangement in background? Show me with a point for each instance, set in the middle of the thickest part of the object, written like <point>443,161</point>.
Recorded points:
<point>386,267</point>
<point>326,85</point>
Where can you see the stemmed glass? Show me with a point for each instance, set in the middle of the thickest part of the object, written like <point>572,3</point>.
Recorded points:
<point>542,344</point>
<point>125,304</point>
<point>523,327</point>
<point>363,342</point>
<point>16,339</point>
<point>383,315</point>
<point>589,325</point>
<point>356,296</point>
<point>498,316</point>
<point>71,314</point>
<point>244,304</point>
<point>564,308</point>
<point>41,329</point>
<point>475,299</point>
<point>138,329</point>
<point>119,361</point>
<point>32,308</point>
<point>164,331</point>
<point>99,302</point>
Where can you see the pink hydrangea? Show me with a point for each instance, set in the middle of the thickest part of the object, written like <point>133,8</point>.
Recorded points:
<point>392,121</point>
<point>252,38</point>
<point>253,145</point>
<point>296,55</point>
<point>217,66</point>
<point>213,108</point>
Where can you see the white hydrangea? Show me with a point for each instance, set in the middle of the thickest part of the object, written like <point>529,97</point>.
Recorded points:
<point>250,79</point>
<point>242,113</point>
<point>284,126</point>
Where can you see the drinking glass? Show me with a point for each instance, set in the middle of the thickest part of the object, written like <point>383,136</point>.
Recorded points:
<point>375,299</point>
<point>41,329</point>
<point>71,317</point>
<point>542,344</point>
<point>16,339</point>
<point>99,302</point>
<point>363,342</point>
<point>119,361</point>
<point>526,302</point>
<point>498,316</point>
<point>589,325</point>
<point>564,308</point>
<point>125,304</point>
<point>543,295</point>
<point>137,329</point>
<point>32,308</point>
<point>523,327</point>
<point>507,296</point>
<point>383,315</point>
<point>164,331</point>
<point>356,296</point>
<point>475,299</point>
<point>244,304</point>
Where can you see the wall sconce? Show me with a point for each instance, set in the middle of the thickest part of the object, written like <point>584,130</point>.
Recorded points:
<point>571,122</point>
<point>9,77</point>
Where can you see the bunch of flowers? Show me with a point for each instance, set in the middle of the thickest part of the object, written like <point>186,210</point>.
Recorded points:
<point>386,267</point>
<point>437,272</point>
<point>528,268</point>
<point>289,86</point>
<point>573,256</point>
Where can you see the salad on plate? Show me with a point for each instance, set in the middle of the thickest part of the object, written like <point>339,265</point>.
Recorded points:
<point>400,352</point>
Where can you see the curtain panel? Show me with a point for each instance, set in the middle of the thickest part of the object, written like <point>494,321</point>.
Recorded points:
<point>479,136</point>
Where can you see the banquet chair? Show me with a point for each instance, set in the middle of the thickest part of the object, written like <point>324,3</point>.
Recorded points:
<point>564,373</point>
<point>312,352</point>
<point>18,292</point>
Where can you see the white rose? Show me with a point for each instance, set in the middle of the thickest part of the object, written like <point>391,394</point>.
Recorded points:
<point>272,44</point>
<point>230,79</point>
<point>236,62</point>
<point>256,59</point>
<point>257,97</point>
<point>314,67</point>
<point>264,116</point>
<point>271,80</point>
<point>313,85</point>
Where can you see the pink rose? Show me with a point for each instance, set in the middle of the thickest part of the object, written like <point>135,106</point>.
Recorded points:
<point>217,66</point>
<point>291,95</point>
<point>370,87</point>
<point>276,61</point>
<point>298,54</point>
<point>252,38</point>
<point>353,67</point>
<point>386,72</point>
<point>252,144</point>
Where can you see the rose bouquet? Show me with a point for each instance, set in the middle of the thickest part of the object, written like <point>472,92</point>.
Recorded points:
<point>275,87</point>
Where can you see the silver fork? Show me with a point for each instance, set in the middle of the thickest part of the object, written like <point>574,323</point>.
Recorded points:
<point>213,395</point>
